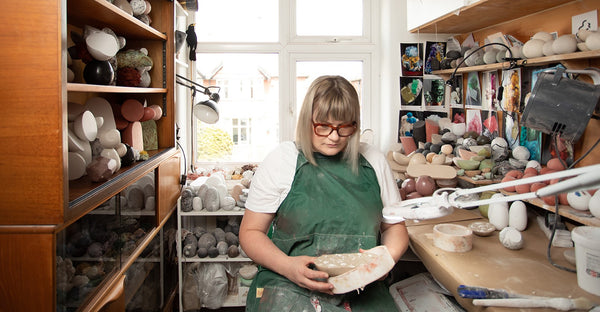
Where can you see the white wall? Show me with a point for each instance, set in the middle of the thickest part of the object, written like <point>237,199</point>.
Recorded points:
<point>394,30</point>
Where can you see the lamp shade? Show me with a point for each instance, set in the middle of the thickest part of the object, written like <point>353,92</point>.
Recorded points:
<point>206,111</point>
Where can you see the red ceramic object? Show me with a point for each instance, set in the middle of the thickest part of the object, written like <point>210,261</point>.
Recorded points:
<point>408,143</point>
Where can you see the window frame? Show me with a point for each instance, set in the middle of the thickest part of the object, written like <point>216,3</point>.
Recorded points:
<point>292,48</point>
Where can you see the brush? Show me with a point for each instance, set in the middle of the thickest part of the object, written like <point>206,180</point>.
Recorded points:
<point>477,292</point>
<point>562,304</point>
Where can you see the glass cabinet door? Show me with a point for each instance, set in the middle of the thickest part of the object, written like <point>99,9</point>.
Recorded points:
<point>88,252</point>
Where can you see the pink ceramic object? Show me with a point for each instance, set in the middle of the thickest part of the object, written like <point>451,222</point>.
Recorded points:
<point>132,110</point>
<point>408,143</point>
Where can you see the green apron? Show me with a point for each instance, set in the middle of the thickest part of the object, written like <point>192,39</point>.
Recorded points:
<point>327,210</point>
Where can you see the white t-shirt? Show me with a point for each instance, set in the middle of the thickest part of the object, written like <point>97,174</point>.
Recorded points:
<point>273,178</point>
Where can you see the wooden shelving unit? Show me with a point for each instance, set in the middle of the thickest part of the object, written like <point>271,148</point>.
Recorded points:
<point>522,19</point>
<point>41,206</point>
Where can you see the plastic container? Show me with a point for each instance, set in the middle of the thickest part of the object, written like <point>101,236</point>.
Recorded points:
<point>587,257</point>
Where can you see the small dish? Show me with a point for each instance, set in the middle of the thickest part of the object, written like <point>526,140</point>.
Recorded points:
<point>481,228</point>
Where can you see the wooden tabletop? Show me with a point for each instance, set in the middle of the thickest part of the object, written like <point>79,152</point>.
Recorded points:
<point>489,264</point>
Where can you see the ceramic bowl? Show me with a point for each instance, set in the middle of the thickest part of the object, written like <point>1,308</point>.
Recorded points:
<point>452,237</point>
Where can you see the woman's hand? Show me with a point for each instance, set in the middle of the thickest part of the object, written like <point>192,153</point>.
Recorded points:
<point>261,250</point>
<point>298,271</point>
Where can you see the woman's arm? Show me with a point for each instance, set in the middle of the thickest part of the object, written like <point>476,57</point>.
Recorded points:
<point>395,238</point>
<point>257,245</point>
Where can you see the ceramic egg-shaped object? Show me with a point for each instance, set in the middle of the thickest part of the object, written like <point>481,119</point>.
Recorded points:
<point>533,48</point>
<point>565,44</point>
<point>521,153</point>
<point>459,129</point>
<point>534,164</point>
<point>425,185</point>
<point>417,159</point>
<point>542,35</point>
<point>593,41</point>
<point>446,149</point>
<point>582,34</point>
<point>594,204</point>
<point>489,57</point>
<point>579,200</point>
<point>515,51</point>
<point>498,213</point>
<point>517,215</point>
<point>409,185</point>
<point>547,48</point>
<point>498,143</point>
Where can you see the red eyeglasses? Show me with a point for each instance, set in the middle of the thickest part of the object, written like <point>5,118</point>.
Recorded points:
<point>324,130</point>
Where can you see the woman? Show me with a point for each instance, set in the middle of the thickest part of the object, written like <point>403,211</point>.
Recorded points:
<point>322,194</point>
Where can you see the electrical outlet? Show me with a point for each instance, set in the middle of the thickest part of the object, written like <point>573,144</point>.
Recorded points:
<point>587,20</point>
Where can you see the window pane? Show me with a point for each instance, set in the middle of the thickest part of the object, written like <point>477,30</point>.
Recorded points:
<point>308,71</point>
<point>248,126</point>
<point>237,21</point>
<point>329,17</point>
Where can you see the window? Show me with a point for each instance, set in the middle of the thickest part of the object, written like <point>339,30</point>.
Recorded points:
<point>264,66</point>
<point>318,18</point>
<point>237,21</point>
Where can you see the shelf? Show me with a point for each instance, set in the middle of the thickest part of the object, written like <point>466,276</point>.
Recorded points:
<point>219,258</point>
<point>85,194</point>
<point>483,14</point>
<point>83,87</point>
<point>538,61</point>
<point>220,212</point>
<point>583,217</point>
<point>99,13</point>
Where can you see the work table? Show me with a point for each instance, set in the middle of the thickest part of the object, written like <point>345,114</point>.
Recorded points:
<point>489,264</point>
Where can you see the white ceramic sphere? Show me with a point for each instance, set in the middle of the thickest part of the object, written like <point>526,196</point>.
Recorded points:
<point>517,215</point>
<point>565,44</point>
<point>543,35</point>
<point>547,48</point>
<point>110,138</point>
<point>121,149</point>
<point>474,57</point>
<point>521,153</point>
<point>582,34</point>
<point>533,48</point>
<point>534,164</point>
<point>582,46</point>
<point>579,200</point>
<point>498,143</point>
<point>516,51</point>
<point>498,213</point>
<point>489,57</point>
<point>459,129</point>
<point>594,204</point>
<point>593,41</point>
<point>197,203</point>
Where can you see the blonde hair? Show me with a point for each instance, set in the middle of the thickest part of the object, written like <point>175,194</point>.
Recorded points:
<point>329,97</point>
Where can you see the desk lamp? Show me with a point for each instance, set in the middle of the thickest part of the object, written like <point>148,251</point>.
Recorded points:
<point>206,110</point>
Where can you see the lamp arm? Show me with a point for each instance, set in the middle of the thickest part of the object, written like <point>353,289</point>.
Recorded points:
<point>542,177</point>
<point>194,84</point>
<point>442,201</point>
<point>511,59</point>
